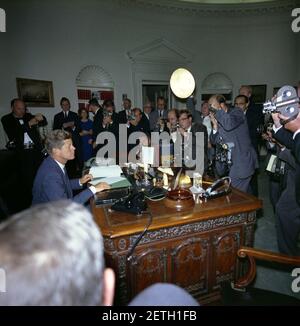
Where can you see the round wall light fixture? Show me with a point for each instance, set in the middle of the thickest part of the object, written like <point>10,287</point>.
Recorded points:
<point>182,83</point>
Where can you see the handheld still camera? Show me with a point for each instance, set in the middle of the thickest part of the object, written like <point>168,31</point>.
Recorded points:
<point>107,114</point>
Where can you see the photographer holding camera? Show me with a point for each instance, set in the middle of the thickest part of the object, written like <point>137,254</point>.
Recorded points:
<point>21,128</point>
<point>110,117</point>
<point>288,206</point>
<point>230,126</point>
<point>159,116</point>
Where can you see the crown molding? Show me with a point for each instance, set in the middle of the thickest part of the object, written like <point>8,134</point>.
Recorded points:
<point>196,9</point>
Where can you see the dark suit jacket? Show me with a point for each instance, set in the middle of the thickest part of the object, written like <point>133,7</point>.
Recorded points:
<point>285,137</point>
<point>255,118</point>
<point>141,126</point>
<point>197,127</point>
<point>297,147</point>
<point>51,184</point>
<point>97,124</point>
<point>145,122</point>
<point>233,128</point>
<point>59,120</point>
<point>122,116</point>
<point>154,116</point>
<point>15,131</point>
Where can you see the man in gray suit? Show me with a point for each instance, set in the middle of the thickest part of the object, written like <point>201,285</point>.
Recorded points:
<point>158,116</point>
<point>231,126</point>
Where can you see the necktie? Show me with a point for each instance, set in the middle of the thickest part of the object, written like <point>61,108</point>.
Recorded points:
<point>182,150</point>
<point>68,185</point>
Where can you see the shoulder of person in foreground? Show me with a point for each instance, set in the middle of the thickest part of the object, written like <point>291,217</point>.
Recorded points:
<point>163,294</point>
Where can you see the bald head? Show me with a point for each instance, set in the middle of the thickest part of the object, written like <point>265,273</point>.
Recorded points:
<point>246,90</point>
<point>18,108</point>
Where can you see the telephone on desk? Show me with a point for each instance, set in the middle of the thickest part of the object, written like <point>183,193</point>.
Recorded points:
<point>135,203</point>
<point>219,188</point>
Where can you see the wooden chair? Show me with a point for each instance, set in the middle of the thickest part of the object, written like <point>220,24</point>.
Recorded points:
<point>240,293</point>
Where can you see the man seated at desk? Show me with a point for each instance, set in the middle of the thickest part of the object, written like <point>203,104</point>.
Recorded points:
<point>52,182</point>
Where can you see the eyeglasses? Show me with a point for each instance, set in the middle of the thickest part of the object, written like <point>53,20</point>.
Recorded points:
<point>182,119</point>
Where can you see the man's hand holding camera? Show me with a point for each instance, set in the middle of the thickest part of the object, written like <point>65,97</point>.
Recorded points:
<point>213,121</point>
<point>133,122</point>
<point>107,120</point>
<point>35,120</point>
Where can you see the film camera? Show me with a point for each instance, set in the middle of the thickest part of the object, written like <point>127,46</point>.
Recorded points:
<point>223,152</point>
<point>286,102</point>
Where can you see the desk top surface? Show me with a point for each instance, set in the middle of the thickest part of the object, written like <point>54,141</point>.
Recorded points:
<point>115,224</point>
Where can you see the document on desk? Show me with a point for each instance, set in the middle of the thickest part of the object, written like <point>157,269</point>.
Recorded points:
<point>105,171</point>
<point>114,182</point>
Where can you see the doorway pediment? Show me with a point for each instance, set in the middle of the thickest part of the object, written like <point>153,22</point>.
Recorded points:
<point>159,51</point>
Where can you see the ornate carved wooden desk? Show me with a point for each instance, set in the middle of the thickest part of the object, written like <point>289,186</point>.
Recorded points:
<point>195,250</point>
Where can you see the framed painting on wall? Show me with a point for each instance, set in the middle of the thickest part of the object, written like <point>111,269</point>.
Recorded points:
<point>35,93</point>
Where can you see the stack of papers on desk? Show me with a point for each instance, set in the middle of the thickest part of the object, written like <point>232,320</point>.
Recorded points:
<point>105,171</point>
<point>114,182</point>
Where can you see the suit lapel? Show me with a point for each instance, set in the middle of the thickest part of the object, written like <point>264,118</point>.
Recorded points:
<point>65,179</point>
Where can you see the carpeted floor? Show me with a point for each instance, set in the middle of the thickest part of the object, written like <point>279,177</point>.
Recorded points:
<point>268,277</point>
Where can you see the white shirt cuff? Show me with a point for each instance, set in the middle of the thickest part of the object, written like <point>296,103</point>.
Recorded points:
<point>296,133</point>
<point>93,189</point>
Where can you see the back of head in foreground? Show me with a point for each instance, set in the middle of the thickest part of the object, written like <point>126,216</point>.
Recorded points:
<point>52,254</point>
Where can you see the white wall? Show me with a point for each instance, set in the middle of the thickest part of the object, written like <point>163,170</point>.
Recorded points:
<point>53,40</point>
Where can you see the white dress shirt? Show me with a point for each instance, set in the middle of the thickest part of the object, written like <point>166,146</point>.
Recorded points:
<point>27,139</point>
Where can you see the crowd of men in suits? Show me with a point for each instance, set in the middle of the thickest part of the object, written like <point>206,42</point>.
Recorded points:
<point>226,130</point>
<point>22,129</point>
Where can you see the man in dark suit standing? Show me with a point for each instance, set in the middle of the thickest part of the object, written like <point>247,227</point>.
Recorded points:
<point>147,109</point>
<point>21,127</point>
<point>255,119</point>
<point>188,133</point>
<point>125,115</point>
<point>159,115</point>
<point>52,182</point>
<point>138,125</point>
<point>108,123</point>
<point>69,121</point>
<point>97,111</point>
<point>231,126</point>
<point>254,115</point>
<point>22,131</point>
<point>290,137</point>
<point>146,114</point>
<point>288,207</point>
